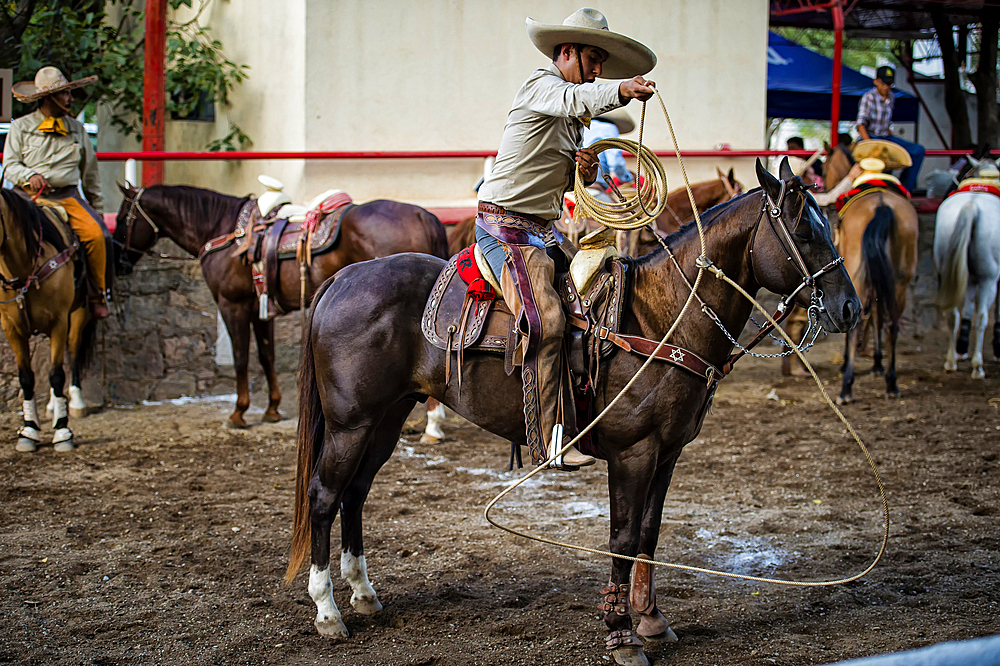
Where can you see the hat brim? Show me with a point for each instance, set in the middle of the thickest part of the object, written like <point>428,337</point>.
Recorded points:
<point>627,58</point>
<point>25,91</point>
<point>893,155</point>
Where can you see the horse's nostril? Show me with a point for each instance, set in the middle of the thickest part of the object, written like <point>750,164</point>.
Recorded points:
<point>851,310</point>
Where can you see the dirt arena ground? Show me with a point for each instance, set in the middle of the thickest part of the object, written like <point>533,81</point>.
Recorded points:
<point>162,539</point>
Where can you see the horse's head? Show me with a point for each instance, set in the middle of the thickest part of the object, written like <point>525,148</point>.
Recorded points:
<point>982,167</point>
<point>134,234</point>
<point>792,252</point>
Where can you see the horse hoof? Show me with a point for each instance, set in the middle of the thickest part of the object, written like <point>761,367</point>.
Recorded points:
<point>656,628</point>
<point>25,445</point>
<point>270,417</point>
<point>366,605</point>
<point>978,373</point>
<point>335,629</point>
<point>892,395</point>
<point>950,366</point>
<point>236,423</point>
<point>961,357</point>
<point>64,446</point>
<point>629,656</point>
<point>78,412</point>
<point>429,439</point>
<point>843,400</point>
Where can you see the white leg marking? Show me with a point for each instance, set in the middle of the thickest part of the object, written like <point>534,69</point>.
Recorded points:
<point>52,401</point>
<point>355,571</point>
<point>76,402</point>
<point>433,432</point>
<point>328,618</point>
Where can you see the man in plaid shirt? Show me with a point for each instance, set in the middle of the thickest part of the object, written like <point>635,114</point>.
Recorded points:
<point>875,119</point>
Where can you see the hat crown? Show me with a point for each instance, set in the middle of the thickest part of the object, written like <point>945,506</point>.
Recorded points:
<point>49,77</point>
<point>587,18</point>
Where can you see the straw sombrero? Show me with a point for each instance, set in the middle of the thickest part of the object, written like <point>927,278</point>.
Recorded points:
<point>893,155</point>
<point>620,119</point>
<point>48,81</point>
<point>627,58</point>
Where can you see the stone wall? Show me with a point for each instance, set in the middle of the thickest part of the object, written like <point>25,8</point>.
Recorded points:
<point>162,344</point>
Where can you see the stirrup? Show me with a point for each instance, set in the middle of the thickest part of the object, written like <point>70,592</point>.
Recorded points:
<point>555,444</point>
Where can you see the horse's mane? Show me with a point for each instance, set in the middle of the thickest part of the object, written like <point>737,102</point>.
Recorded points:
<point>198,203</point>
<point>29,218</point>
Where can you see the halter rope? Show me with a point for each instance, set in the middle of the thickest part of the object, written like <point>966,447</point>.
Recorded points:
<point>625,215</point>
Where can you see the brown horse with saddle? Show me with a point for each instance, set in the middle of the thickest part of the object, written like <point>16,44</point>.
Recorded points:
<point>257,266</point>
<point>43,289</point>
<point>388,333</point>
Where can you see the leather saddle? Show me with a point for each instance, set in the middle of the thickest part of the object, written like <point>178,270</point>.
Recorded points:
<point>284,232</point>
<point>455,321</point>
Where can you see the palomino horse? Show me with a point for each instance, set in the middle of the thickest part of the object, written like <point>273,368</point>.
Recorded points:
<point>42,291</point>
<point>967,256</point>
<point>192,216</point>
<point>368,320</point>
<point>878,240</point>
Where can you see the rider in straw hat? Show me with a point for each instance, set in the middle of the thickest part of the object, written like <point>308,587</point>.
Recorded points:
<point>49,153</point>
<point>541,146</point>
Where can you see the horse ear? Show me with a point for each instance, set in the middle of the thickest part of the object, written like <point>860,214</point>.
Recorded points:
<point>731,176</point>
<point>126,189</point>
<point>718,171</point>
<point>784,171</point>
<point>771,185</point>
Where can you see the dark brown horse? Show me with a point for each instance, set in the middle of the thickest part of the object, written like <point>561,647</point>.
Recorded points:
<point>42,291</point>
<point>192,216</point>
<point>366,363</point>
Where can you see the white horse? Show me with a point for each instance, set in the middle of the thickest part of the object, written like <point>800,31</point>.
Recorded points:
<point>967,256</point>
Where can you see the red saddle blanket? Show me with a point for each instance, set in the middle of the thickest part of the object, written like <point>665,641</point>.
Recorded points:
<point>886,185</point>
<point>468,270</point>
<point>978,187</point>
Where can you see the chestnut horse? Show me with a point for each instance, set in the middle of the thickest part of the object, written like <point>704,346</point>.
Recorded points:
<point>42,289</point>
<point>191,216</point>
<point>878,240</point>
<point>365,364</point>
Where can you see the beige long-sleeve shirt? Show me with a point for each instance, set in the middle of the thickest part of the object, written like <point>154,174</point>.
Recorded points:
<point>61,160</point>
<point>536,160</point>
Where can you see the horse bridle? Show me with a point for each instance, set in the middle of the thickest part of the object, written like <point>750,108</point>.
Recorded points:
<point>134,206</point>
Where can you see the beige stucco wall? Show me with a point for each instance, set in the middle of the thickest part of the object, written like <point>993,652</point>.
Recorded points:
<point>370,75</point>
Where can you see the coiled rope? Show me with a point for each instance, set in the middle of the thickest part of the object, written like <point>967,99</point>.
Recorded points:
<point>622,213</point>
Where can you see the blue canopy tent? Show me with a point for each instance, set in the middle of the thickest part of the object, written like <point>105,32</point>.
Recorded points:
<point>800,81</point>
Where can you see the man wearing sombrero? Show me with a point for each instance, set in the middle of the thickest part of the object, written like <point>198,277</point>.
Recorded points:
<point>48,153</point>
<point>535,165</point>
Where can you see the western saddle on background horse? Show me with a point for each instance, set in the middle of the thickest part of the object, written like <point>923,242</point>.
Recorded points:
<point>271,229</point>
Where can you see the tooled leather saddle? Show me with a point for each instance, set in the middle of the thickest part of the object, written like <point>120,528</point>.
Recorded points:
<point>459,317</point>
<point>265,241</point>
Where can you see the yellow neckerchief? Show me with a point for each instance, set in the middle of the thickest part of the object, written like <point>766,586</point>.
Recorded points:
<point>53,126</point>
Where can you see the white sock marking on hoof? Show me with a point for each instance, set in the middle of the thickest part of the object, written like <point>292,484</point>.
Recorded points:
<point>52,401</point>
<point>76,399</point>
<point>355,571</point>
<point>435,418</point>
<point>328,618</point>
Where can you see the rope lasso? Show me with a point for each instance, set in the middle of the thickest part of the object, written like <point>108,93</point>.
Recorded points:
<point>624,213</point>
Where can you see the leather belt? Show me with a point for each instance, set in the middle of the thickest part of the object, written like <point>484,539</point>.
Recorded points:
<point>493,209</point>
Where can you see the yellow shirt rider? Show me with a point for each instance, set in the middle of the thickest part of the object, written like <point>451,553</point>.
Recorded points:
<point>518,201</point>
<point>49,153</point>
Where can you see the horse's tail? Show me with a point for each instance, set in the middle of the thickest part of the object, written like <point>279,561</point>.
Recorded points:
<point>881,275</point>
<point>85,352</point>
<point>954,274</point>
<point>309,439</point>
